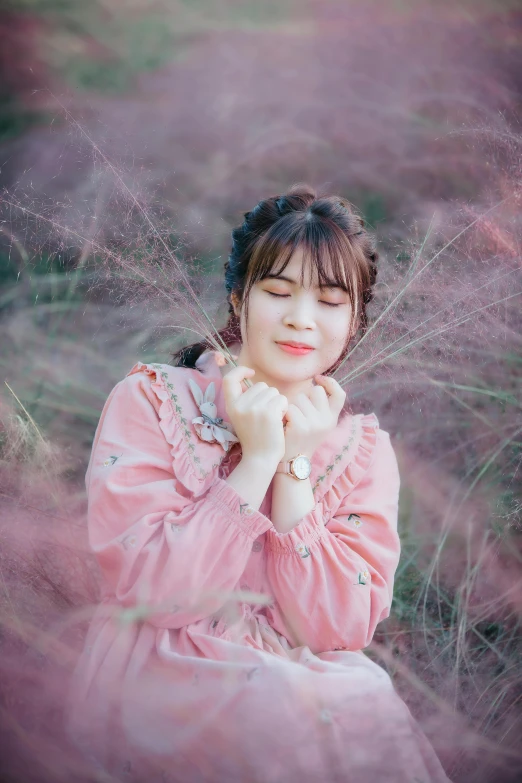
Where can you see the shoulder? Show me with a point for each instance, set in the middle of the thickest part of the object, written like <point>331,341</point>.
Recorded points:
<point>157,383</point>
<point>360,452</point>
<point>171,391</point>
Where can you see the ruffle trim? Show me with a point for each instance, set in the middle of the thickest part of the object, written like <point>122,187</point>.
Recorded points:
<point>356,466</point>
<point>331,483</point>
<point>342,479</point>
<point>358,439</point>
<point>176,430</point>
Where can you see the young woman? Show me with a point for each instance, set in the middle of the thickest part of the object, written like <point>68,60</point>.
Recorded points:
<point>247,536</point>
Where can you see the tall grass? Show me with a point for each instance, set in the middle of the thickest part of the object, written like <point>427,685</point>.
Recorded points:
<point>104,264</point>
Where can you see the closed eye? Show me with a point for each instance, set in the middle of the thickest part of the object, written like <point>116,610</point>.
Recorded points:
<point>329,304</point>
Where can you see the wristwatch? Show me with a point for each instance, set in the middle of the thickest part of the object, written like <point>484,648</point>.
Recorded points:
<point>299,467</point>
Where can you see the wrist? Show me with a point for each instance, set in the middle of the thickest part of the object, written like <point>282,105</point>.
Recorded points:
<point>260,463</point>
<point>297,467</point>
<point>293,452</point>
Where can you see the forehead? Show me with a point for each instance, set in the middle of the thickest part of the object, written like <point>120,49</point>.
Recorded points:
<point>301,264</point>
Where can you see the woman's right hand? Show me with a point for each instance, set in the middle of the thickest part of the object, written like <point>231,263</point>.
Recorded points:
<point>256,415</point>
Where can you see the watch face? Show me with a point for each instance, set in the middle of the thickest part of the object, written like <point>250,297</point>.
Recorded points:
<point>302,467</point>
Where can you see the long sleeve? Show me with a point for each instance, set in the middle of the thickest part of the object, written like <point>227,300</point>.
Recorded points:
<point>156,542</point>
<point>332,575</point>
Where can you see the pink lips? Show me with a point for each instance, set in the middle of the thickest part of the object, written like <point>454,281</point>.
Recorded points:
<point>294,349</point>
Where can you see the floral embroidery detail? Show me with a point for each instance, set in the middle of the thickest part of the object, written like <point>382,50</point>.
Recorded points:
<point>356,519</point>
<point>110,461</point>
<point>302,549</point>
<point>339,456</point>
<point>129,541</point>
<point>177,410</point>
<point>209,427</point>
<point>244,508</point>
<point>363,577</point>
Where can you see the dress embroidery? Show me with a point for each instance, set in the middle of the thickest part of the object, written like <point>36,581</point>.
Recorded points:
<point>110,461</point>
<point>302,550</point>
<point>339,456</point>
<point>356,519</point>
<point>363,577</point>
<point>177,410</point>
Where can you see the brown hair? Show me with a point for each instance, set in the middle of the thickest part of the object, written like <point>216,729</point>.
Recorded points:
<point>328,228</point>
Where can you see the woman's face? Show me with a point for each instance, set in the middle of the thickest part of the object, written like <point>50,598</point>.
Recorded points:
<point>280,310</point>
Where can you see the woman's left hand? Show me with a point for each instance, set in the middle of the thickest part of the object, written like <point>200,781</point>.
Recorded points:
<point>312,417</point>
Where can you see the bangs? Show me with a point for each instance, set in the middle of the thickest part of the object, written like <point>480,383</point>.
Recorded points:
<point>328,255</point>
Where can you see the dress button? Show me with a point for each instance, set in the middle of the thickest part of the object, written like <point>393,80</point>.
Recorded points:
<point>257,546</point>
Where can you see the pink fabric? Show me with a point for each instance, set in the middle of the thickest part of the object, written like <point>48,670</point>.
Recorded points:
<point>178,672</point>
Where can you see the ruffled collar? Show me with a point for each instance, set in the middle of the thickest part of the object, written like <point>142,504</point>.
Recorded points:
<point>197,460</point>
<point>332,457</point>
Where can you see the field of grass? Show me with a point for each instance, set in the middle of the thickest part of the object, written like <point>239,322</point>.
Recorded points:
<point>152,128</point>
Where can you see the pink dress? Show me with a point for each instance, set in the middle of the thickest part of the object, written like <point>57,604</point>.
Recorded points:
<point>223,650</point>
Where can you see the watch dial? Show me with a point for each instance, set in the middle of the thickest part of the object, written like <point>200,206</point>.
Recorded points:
<point>302,467</point>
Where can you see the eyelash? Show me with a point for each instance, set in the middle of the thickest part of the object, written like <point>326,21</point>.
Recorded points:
<point>328,304</point>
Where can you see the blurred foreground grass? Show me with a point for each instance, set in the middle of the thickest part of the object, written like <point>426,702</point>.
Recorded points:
<point>454,631</point>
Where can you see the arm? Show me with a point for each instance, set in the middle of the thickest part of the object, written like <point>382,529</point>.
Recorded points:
<point>291,501</point>
<point>156,543</point>
<point>334,583</point>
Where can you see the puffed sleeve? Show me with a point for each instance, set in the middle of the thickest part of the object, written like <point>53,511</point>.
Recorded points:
<point>158,544</point>
<point>333,582</point>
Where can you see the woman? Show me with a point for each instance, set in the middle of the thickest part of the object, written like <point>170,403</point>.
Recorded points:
<point>247,535</point>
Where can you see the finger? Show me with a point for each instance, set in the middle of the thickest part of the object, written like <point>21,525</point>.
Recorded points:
<point>279,403</point>
<point>295,416</point>
<point>336,394</point>
<point>305,405</point>
<point>254,392</point>
<point>258,396</point>
<point>319,398</point>
<point>232,383</point>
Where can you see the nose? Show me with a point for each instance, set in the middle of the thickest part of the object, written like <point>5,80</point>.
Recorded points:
<point>300,313</point>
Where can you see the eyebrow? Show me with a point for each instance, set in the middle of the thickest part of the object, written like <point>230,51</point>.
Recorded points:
<point>331,284</point>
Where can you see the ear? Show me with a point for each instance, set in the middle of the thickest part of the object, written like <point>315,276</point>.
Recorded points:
<point>196,392</point>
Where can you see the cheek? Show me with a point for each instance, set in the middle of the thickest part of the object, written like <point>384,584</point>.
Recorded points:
<point>263,316</point>
<point>336,331</point>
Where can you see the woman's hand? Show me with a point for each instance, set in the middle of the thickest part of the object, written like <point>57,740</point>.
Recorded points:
<point>256,415</point>
<point>313,417</point>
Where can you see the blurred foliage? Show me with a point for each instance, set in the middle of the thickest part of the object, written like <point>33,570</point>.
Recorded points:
<point>66,349</point>
<point>16,119</point>
<point>103,46</point>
